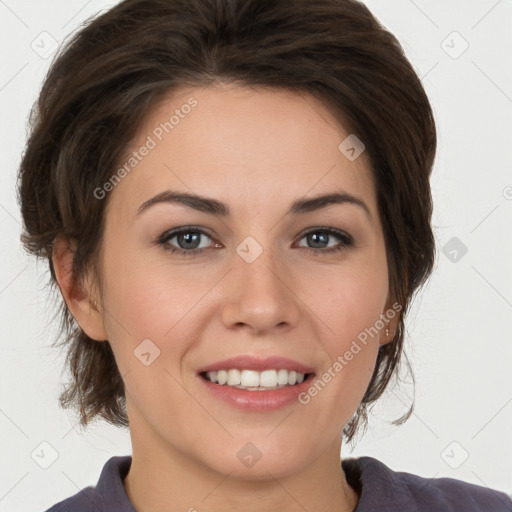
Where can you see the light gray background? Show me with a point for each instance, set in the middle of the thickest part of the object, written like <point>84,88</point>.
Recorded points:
<point>459,332</point>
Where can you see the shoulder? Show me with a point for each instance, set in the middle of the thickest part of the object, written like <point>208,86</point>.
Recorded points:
<point>454,495</point>
<point>83,501</point>
<point>382,488</point>
<point>108,494</point>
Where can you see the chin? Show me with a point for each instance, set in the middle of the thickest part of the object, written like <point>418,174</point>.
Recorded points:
<point>254,460</point>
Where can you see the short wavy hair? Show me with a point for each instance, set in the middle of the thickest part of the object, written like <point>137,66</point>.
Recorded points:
<point>118,65</point>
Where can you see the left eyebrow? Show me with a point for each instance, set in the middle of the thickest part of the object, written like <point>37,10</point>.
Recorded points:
<point>217,208</point>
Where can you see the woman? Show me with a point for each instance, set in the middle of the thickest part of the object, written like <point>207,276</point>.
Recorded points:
<point>233,197</point>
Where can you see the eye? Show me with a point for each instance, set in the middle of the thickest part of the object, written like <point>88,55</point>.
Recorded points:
<point>320,236</point>
<point>188,239</point>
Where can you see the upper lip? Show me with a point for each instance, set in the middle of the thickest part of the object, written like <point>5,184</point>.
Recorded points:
<point>249,362</point>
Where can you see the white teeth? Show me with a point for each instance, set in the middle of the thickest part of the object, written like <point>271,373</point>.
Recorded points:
<point>249,378</point>
<point>253,380</point>
<point>282,377</point>
<point>222,376</point>
<point>268,379</point>
<point>233,377</point>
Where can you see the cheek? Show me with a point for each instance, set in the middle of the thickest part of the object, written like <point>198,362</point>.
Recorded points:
<point>147,297</point>
<point>351,349</point>
<point>354,298</point>
<point>353,308</point>
<point>142,303</point>
<point>352,346</point>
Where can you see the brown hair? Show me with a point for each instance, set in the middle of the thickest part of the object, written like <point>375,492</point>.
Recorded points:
<point>117,67</point>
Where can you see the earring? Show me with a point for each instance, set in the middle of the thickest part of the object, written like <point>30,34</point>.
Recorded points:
<point>387,331</point>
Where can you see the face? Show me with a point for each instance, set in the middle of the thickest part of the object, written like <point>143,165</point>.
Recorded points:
<point>287,292</point>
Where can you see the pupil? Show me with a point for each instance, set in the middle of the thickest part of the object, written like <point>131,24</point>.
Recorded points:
<point>314,237</point>
<point>188,237</point>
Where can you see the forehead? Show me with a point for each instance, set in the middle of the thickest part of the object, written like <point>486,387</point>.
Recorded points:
<point>233,141</point>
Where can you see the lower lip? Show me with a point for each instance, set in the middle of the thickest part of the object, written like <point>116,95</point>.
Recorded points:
<point>257,400</point>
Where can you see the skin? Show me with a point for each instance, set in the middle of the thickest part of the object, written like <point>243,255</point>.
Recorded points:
<point>256,150</point>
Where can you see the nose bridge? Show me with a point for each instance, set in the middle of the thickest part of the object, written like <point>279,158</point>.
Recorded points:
<point>258,267</point>
<point>260,296</point>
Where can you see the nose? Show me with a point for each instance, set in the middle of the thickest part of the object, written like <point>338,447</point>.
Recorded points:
<point>260,295</point>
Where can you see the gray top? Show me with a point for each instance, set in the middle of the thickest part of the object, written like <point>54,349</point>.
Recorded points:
<point>380,489</point>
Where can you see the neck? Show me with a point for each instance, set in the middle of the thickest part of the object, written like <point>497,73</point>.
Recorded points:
<point>165,479</point>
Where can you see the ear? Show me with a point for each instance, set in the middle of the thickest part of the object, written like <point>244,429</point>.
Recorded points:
<point>81,299</point>
<point>391,317</point>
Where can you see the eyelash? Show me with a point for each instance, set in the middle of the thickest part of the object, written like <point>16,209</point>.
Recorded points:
<point>163,240</point>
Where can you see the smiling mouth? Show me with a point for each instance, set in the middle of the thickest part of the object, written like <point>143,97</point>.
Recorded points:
<point>252,380</point>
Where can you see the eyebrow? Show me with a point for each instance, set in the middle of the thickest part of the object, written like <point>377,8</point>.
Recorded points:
<point>214,207</point>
